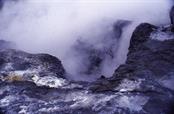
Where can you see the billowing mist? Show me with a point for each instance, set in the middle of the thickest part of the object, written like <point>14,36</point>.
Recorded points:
<point>90,37</point>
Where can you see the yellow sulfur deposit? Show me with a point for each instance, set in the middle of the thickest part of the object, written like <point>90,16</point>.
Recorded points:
<point>14,77</point>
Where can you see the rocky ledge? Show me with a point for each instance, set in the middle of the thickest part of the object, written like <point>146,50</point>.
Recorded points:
<point>36,83</point>
<point>17,65</point>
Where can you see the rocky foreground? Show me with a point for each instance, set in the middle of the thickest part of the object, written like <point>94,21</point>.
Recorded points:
<point>37,84</point>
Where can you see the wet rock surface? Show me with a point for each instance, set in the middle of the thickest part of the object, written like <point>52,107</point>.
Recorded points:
<point>143,85</point>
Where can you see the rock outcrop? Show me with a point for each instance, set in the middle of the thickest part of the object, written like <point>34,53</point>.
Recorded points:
<point>16,65</point>
<point>14,60</point>
<point>149,70</point>
<point>143,85</point>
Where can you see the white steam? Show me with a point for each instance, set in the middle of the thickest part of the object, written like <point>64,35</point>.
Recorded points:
<point>53,26</point>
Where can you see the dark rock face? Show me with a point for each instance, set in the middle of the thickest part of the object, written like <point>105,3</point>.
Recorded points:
<point>150,61</point>
<point>140,35</point>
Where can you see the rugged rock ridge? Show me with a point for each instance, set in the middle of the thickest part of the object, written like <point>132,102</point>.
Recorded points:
<point>149,69</point>
<point>143,85</point>
<point>146,53</point>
